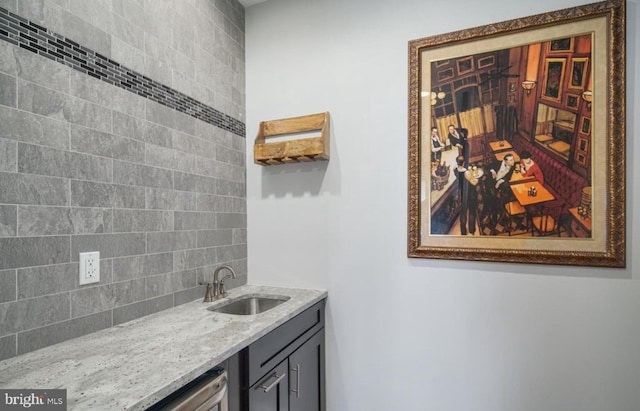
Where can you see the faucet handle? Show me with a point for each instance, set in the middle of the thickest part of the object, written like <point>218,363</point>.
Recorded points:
<point>222,292</point>
<point>208,294</point>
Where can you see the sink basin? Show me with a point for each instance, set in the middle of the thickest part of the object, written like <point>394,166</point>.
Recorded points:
<point>249,305</point>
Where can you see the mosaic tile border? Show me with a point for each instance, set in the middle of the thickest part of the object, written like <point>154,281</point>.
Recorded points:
<point>37,39</point>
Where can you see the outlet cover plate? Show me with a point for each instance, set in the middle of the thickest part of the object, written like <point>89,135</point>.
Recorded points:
<point>89,267</point>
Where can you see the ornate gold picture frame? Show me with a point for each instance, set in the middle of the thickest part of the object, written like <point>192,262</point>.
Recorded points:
<point>472,193</point>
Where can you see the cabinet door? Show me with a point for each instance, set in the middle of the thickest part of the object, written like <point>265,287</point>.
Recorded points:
<point>306,376</point>
<point>270,393</point>
<point>232,365</point>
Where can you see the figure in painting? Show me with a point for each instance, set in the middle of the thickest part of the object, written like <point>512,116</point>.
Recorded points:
<point>467,183</point>
<point>529,168</point>
<point>436,145</point>
<point>458,138</point>
<point>497,189</point>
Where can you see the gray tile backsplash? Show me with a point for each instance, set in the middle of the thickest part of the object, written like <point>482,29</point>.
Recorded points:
<point>29,251</point>
<point>171,241</point>
<point>33,313</point>
<point>37,220</point>
<point>7,285</point>
<point>146,307</point>
<point>51,334</point>
<point>7,90</point>
<point>29,189</point>
<point>43,72</point>
<point>92,162</point>
<point>68,164</point>
<point>8,220</point>
<point>8,346</point>
<point>141,266</point>
<point>30,128</point>
<point>86,140</point>
<point>8,155</point>
<point>55,16</point>
<point>141,175</point>
<point>47,279</point>
<point>53,104</point>
<point>91,194</point>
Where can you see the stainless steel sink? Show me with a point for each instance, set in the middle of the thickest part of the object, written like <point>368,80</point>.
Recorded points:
<point>249,305</point>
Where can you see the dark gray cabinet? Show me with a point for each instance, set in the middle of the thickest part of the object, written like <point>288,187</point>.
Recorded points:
<point>306,375</point>
<point>234,380</point>
<point>284,370</point>
<point>272,392</point>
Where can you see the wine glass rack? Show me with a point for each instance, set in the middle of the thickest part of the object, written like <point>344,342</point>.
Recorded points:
<point>266,153</point>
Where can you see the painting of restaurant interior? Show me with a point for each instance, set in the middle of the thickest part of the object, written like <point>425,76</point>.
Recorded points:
<point>510,141</point>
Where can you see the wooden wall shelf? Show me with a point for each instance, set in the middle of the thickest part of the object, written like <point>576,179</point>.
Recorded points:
<point>292,151</point>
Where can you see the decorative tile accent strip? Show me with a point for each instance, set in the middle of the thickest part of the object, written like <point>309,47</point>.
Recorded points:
<point>37,39</point>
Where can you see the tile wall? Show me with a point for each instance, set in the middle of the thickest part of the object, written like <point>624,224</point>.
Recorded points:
<point>121,131</point>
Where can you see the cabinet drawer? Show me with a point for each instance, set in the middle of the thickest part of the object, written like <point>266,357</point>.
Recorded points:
<point>270,350</point>
<point>271,393</point>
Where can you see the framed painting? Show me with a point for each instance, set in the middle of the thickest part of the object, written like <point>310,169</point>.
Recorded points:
<point>572,101</point>
<point>485,61</point>
<point>583,143</point>
<point>586,125</point>
<point>561,45</point>
<point>465,65</point>
<point>581,158</point>
<point>482,199</point>
<point>553,76</point>
<point>445,74</point>
<point>578,72</point>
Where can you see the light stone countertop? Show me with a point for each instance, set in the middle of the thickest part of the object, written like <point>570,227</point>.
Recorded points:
<point>133,365</point>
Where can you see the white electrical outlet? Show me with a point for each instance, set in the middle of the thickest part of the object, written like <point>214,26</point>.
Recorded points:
<point>89,267</point>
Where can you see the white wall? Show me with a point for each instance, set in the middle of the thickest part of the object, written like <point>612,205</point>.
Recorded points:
<point>407,334</point>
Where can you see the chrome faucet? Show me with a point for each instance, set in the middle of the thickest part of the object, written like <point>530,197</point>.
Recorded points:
<point>218,285</point>
<point>216,289</point>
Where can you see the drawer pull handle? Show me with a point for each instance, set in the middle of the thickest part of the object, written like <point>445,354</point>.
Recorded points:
<point>275,382</point>
<point>297,371</point>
